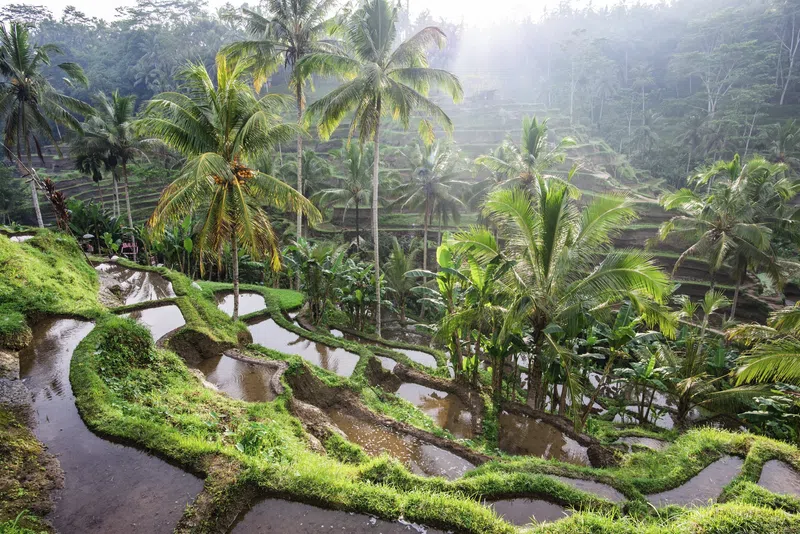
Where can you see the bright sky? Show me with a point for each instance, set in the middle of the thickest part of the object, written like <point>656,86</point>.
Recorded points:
<point>472,12</point>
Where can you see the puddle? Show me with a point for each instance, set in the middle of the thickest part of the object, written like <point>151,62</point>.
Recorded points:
<point>652,443</point>
<point>273,516</point>
<point>525,436</point>
<point>523,512</point>
<point>249,302</point>
<point>420,457</point>
<point>269,334</point>
<point>704,487</point>
<point>160,320</point>
<point>239,380</point>
<point>446,409</point>
<point>590,486</point>
<point>779,477</point>
<point>136,286</point>
<point>108,488</point>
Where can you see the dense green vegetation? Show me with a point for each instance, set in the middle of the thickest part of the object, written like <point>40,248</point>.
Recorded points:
<point>612,255</point>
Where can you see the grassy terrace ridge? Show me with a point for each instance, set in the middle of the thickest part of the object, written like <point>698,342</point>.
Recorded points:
<point>147,397</point>
<point>45,275</point>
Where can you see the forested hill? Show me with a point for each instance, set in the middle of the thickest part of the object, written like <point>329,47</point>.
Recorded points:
<point>671,85</point>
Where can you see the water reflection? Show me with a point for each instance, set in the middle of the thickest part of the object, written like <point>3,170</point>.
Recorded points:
<point>269,334</point>
<point>274,516</point>
<point>420,457</point>
<point>704,487</point>
<point>108,488</point>
<point>247,381</point>
<point>136,286</point>
<point>523,512</point>
<point>527,436</point>
<point>249,302</point>
<point>779,477</point>
<point>445,409</point>
<point>159,320</point>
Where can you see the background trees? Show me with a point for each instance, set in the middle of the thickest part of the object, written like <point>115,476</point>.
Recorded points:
<point>28,101</point>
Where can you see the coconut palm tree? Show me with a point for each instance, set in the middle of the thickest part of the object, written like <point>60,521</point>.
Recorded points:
<point>565,266</point>
<point>431,185</point>
<point>93,164</point>
<point>28,102</point>
<point>220,129</point>
<point>288,31</point>
<point>730,216</point>
<point>532,158</point>
<point>109,131</point>
<point>381,79</point>
<point>355,183</point>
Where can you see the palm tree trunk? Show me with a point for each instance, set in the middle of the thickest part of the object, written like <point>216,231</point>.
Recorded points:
<point>375,183</point>
<point>116,212</point>
<point>127,196</point>
<point>300,106</point>
<point>425,236</point>
<point>34,193</point>
<point>736,296</point>
<point>358,232</point>
<point>235,261</point>
<point>100,196</point>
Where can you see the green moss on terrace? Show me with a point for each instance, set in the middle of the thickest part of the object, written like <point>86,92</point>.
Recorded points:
<point>45,275</point>
<point>27,476</point>
<point>128,389</point>
<point>199,311</point>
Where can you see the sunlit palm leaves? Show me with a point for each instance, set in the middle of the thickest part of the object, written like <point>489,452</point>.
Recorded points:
<point>220,129</point>
<point>563,261</point>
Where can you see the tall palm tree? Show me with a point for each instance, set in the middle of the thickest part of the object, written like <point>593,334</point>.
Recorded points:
<point>730,215</point>
<point>93,164</point>
<point>220,129</point>
<point>565,266</point>
<point>532,158</point>
<point>28,102</point>
<point>109,131</point>
<point>290,30</point>
<point>431,185</point>
<point>355,184</point>
<point>381,79</point>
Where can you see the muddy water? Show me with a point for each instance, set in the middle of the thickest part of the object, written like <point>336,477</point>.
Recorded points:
<point>525,436</point>
<point>273,516</point>
<point>245,381</point>
<point>652,443</point>
<point>523,512</point>
<point>160,320</point>
<point>704,487</point>
<point>779,477</point>
<point>420,457</point>
<point>445,409</point>
<point>109,488</point>
<point>249,302</point>
<point>269,334</point>
<point>137,286</point>
<point>590,486</point>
